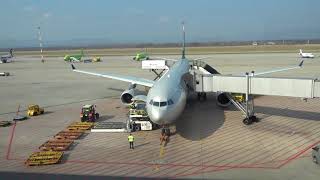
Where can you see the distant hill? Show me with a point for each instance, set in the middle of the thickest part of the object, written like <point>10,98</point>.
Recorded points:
<point>100,45</point>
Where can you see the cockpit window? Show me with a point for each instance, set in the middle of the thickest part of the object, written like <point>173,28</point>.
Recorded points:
<point>156,103</point>
<point>163,103</point>
<point>170,102</point>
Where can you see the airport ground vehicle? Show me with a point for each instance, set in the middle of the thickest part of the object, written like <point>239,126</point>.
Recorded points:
<point>88,113</point>
<point>139,119</point>
<point>316,154</point>
<point>4,74</point>
<point>96,59</point>
<point>34,110</point>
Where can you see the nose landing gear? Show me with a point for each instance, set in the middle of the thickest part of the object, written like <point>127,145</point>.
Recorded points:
<point>165,134</point>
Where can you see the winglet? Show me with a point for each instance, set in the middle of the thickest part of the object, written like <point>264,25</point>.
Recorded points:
<point>72,66</point>
<point>301,63</point>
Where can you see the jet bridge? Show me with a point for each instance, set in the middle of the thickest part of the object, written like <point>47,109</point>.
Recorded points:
<point>255,85</point>
<point>272,86</point>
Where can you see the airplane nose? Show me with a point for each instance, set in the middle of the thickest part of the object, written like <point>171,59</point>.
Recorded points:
<point>157,116</point>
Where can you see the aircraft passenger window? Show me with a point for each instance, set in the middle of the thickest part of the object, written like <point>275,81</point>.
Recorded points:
<point>163,103</point>
<point>156,103</point>
<point>170,102</point>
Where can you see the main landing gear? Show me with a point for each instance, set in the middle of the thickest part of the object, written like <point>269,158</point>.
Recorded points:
<point>202,96</point>
<point>165,134</point>
<point>250,120</point>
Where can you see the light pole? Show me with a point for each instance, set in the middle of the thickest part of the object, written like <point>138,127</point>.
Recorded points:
<point>40,44</point>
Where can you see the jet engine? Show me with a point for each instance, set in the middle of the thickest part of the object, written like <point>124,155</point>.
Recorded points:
<point>127,96</point>
<point>222,99</point>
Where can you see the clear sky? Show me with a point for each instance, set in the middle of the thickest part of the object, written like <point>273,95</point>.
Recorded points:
<point>128,21</point>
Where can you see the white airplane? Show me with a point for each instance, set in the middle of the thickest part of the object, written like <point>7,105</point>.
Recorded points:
<point>7,58</point>
<point>306,55</point>
<point>167,96</point>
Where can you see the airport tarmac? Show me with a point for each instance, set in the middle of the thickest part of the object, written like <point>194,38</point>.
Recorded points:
<point>208,142</point>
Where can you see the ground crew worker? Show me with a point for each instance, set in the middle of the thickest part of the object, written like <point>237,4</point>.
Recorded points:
<point>131,140</point>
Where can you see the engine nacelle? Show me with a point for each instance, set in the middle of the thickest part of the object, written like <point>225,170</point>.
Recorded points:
<point>222,99</point>
<point>127,96</point>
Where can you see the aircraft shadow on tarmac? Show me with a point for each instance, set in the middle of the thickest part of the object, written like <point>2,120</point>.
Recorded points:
<point>47,112</point>
<point>200,119</point>
<point>104,118</point>
<point>303,115</point>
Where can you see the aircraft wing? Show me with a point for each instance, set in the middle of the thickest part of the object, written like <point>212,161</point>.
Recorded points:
<point>197,59</point>
<point>281,69</point>
<point>276,70</point>
<point>133,80</point>
<point>73,59</point>
<point>167,59</point>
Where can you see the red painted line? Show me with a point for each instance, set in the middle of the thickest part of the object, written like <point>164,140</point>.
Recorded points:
<point>231,147</point>
<point>10,141</point>
<point>297,147</point>
<point>220,168</point>
<point>181,165</point>
<point>278,151</point>
<point>203,167</point>
<point>295,156</point>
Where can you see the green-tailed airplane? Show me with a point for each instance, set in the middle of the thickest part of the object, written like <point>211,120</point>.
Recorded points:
<point>141,56</point>
<point>74,58</point>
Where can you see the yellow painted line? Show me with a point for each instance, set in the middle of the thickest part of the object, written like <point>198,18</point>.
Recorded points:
<point>162,151</point>
<point>161,154</point>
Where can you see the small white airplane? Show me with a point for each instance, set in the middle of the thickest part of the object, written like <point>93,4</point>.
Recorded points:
<point>7,58</point>
<point>306,55</point>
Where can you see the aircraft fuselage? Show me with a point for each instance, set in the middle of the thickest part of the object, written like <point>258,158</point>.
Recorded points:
<point>167,97</point>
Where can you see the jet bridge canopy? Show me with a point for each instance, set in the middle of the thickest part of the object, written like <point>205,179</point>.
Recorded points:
<point>294,87</point>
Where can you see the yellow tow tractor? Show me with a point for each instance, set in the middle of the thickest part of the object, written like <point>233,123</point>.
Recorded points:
<point>34,110</point>
<point>96,59</point>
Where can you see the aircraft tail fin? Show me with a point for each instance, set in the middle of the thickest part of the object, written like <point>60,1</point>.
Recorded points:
<point>184,42</point>
<point>301,63</point>
<point>300,51</point>
<point>82,54</point>
<point>11,52</point>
